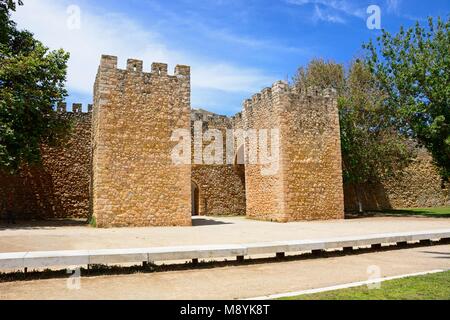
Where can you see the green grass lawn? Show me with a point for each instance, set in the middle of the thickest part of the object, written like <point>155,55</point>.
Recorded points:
<point>428,287</point>
<point>443,212</point>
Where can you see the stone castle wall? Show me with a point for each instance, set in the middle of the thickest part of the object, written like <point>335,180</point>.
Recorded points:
<point>417,186</point>
<point>117,163</point>
<point>59,188</point>
<point>135,182</point>
<point>221,186</point>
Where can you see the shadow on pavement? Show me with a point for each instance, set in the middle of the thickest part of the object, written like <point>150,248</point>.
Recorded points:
<point>42,224</point>
<point>200,222</point>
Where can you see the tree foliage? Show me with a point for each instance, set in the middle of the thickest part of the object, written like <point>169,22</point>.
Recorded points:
<point>371,147</point>
<point>320,74</point>
<point>32,81</point>
<point>413,68</point>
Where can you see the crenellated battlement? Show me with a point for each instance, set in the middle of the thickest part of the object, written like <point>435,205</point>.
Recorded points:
<point>280,87</point>
<point>265,96</point>
<point>135,65</point>
<point>135,114</point>
<point>76,108</point>
<point>313,98</point>
<point>317,92</point>
<point>159,69</point>
<point>247,105</point>
<point>256,98</point>
<point>210,118</point>
<point>237,116</point>
<point>266,93</point>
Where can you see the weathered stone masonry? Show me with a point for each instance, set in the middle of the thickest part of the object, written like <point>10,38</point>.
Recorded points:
<point>308,185</point>
<point>417,186</point>
<point>116,165</point>
<point>60,187</point>
<point>135,182</point>
<point>221,186</point>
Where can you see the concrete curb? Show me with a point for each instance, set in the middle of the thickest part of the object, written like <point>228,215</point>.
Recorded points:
<point>22,260</point>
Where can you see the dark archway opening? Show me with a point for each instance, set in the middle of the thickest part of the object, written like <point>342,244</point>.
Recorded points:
<point>195,199</point>
<point>239,164</point>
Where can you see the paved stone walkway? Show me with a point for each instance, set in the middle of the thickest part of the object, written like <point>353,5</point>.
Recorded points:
<point>237,282</point>
<point>235,230</point>
<point>75,236</point>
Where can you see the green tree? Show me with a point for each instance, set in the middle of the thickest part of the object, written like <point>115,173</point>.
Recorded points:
<point>32,81</point>
<point>320,74</point>
<point>413,68</point>
<point>372,148</point>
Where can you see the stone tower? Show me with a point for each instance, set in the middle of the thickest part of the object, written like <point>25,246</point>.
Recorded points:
<point>134,181</point>
<point>308,182</point>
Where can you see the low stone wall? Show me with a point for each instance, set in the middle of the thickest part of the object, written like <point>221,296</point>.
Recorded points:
<point>417,186</point>
<point>373,197</point>
<point>60,187</point>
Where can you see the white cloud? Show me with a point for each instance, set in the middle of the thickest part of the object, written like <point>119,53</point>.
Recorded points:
<point>116,34</point>
<point>334,9</point>
<point>393,5</point>
<point>227,77</point>
<point>227,36</point>
<point>323,16</point>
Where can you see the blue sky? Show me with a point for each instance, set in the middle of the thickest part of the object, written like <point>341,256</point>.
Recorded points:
<point>235,47</point>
